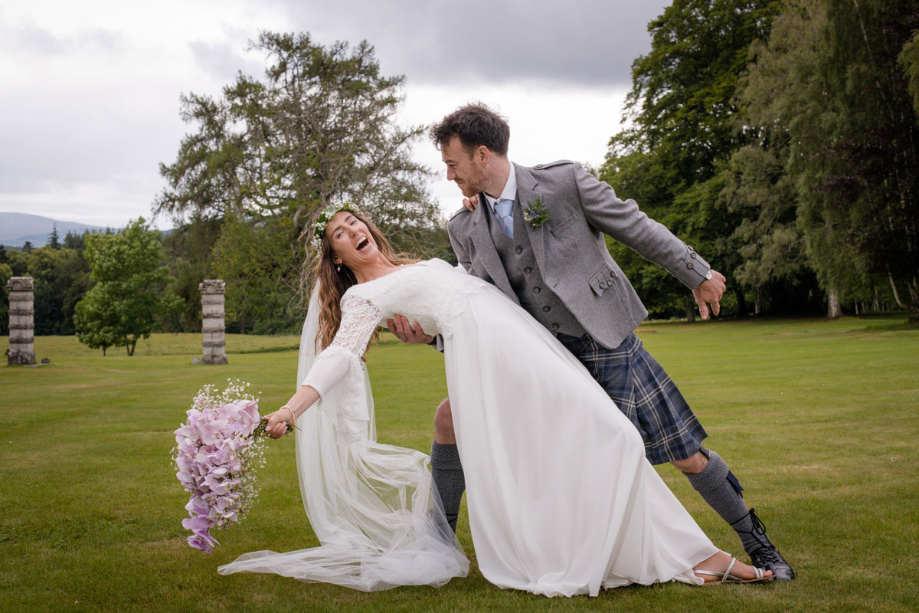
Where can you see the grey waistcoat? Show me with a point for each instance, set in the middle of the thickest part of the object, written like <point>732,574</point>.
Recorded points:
<point>526,280</point>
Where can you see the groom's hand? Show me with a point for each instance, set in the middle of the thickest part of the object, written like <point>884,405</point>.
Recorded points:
<point>709,293</point>
<point>471,202</point>
<point>408,333</point>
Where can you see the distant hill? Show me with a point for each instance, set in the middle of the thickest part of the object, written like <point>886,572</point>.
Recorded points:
<point>17,228</point>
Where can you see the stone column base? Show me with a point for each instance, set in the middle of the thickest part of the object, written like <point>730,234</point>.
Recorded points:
<point>20,358</point>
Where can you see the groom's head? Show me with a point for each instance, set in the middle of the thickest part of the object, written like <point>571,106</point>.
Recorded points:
<point>473,144</point>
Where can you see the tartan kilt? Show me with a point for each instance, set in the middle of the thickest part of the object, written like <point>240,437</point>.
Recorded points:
<point>645,393</point>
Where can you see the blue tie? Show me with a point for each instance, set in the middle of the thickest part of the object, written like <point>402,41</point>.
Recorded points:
<point>505,214</point>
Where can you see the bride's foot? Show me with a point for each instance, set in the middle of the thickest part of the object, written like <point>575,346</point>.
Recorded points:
<point>722,568</point>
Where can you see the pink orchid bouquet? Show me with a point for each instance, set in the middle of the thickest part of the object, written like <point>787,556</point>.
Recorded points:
<point>216,456</point>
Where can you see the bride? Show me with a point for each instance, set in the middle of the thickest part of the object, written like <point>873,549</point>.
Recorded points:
<point>561,498</point>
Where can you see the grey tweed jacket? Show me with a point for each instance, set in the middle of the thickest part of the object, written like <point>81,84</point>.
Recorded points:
<point>570,250</point>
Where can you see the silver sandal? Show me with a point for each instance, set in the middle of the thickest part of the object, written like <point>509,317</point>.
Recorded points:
<point>727,577</point>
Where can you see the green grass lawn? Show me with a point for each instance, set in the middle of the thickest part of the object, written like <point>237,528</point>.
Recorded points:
<point>820,421</point>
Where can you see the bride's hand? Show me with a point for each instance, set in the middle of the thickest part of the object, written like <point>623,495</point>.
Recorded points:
<point>277,423</point>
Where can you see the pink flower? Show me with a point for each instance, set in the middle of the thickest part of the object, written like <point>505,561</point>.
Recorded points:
<point>196,523</point>
<point>202,540</point>
<point>249,411</point>
<point>214,449</point>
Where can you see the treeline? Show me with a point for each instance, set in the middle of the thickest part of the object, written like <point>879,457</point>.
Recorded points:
<point>137,280</point>
<point>61,276</point>
<point>779,138</point>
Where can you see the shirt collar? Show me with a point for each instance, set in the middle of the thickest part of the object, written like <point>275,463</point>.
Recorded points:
<point>509,192</point>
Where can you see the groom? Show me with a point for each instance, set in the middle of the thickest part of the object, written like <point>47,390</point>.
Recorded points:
<point>537,234</point>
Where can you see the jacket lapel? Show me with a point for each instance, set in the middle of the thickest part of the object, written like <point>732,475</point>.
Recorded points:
<point>527,194</point>
<point>485,249</point>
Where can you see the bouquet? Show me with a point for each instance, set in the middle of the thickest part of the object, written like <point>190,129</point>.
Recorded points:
<point>217,453</point>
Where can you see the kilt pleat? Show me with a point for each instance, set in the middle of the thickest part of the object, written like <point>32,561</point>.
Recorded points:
<point>645,393</point>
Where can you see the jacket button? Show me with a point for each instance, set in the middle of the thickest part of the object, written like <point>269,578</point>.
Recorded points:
<point>546,309</point>
<point>692,255</point>
<point>602,284</point>
<point>689,266</point>
<point>536,290</point>
<point>555,326</point>
<point>527,270</point>
<point>519,250</point>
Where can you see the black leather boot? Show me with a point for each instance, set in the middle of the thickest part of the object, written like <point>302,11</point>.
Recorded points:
<point>766,555</point>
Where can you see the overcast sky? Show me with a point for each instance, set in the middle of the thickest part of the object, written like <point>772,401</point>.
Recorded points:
<point>89,89</point>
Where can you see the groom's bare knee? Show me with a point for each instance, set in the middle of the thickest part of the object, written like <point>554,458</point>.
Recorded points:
<point>692,465</point>
<point>443,424</point>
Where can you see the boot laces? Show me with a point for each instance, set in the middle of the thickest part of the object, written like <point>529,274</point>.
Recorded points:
<point>758,530</point>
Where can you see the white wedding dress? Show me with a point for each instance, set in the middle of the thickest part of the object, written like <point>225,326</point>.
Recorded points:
<point>561,498</point>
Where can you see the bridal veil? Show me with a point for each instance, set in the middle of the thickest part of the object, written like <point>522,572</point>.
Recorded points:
<point>372,506</point>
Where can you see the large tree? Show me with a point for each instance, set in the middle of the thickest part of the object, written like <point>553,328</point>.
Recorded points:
<point>836,77</point>
<point>128,295</point>
<point>270,153</point>
<point>319,128</point>
<point>682,133</point>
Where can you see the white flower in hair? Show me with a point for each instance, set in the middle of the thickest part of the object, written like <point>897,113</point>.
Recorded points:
<point>324,218</point>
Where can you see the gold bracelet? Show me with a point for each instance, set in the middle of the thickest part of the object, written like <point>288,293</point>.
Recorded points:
<point>293,416</point>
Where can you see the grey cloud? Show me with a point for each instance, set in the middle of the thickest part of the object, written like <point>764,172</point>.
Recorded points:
<point>224,60</point>
<point>33,41</point>
<point>587,43</point>
<point>58,142</point>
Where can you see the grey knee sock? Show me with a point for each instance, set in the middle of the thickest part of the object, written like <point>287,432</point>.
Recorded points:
<point>447,473</point>
<point>721,490</point>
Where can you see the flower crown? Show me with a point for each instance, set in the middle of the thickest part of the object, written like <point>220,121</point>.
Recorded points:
<point>325,217</point>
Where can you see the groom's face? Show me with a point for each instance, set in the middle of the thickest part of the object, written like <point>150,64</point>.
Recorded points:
<point>467,171</point>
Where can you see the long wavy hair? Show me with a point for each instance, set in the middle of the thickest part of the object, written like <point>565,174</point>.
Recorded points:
<point>333,283</point>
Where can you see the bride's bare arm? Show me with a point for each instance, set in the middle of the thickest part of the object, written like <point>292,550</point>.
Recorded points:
<point>305,397</point>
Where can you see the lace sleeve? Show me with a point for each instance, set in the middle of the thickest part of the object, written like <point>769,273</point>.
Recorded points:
<point>359,318</point>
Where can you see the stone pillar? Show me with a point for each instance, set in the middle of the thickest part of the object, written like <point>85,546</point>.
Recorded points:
<point>215,344</point>
<point>22,321</point>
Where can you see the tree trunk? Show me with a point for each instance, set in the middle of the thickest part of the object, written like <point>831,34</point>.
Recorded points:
<point>834,311</point>
<point>914,300</point>
<point>741,302</point>
<point>896,295</point>
<point>690,311</point>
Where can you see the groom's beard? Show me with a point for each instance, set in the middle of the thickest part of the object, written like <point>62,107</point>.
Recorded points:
<point>472,186</point>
